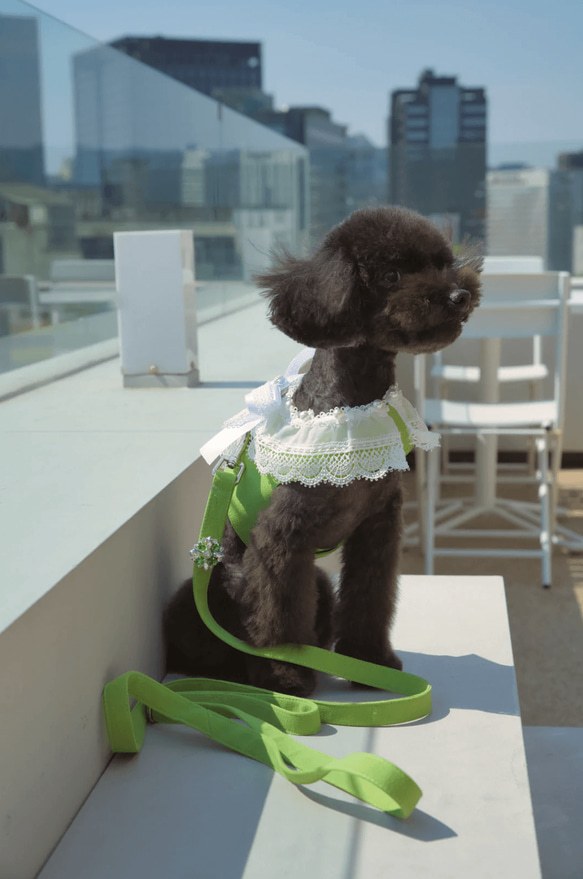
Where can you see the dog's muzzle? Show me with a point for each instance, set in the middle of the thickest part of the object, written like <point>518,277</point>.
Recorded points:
<point>461,297</point>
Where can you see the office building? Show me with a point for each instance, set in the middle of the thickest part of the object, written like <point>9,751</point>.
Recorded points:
<point>536,211</point>
<point>518,211</point>
<point>566,212</point>
<point>437,152</point>
<point>21,137</point>
<point>570,161</point>
<point>367,173</point>
<point>327,143</point>
<point>204,65</point>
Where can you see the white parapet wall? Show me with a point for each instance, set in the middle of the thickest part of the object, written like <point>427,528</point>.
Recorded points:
<point>100,620</point>
<point>102,499</point>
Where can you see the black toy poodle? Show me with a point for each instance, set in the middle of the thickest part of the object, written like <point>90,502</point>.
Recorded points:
<point>385,280</point>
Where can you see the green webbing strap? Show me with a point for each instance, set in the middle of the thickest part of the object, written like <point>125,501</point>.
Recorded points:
<point>402,428</point>
<point>251,495</point>
<point>216,707</point>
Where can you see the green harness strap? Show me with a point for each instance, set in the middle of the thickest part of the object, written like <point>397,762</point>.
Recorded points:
<point>251,495</point>
<point>216,708</point>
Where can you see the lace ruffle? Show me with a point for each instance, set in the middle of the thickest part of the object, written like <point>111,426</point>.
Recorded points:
<point>339,446</point>
<point>335,466</point>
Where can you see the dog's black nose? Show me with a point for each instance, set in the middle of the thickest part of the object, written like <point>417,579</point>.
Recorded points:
<point>460,297</point>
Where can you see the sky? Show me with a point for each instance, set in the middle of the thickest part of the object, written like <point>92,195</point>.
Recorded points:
<point>348,56</point>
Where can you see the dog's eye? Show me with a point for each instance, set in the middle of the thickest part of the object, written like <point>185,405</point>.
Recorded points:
<point>393,277</point>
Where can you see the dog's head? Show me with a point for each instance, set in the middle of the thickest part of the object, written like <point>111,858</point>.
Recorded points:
<point>385,277</point>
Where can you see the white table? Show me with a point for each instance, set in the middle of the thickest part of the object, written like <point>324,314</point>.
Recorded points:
<point>185,807</point>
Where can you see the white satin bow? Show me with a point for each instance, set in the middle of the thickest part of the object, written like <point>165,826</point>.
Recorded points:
<point>259,402</point>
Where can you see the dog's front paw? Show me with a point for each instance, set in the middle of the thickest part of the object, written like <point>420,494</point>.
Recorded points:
<point>283,677</point>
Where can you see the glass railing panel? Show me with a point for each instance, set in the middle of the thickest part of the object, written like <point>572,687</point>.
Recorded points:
<point>93,142</point>
<point>31,346</point>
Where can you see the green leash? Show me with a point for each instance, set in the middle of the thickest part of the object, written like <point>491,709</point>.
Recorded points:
<point>216,708</point>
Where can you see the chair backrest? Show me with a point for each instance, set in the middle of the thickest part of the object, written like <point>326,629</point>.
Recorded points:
<point>523,306</point>
<point>507,265</point>
<point>520,306</point>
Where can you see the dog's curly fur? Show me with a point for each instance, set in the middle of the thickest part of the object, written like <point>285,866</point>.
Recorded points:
<point>383,281</point>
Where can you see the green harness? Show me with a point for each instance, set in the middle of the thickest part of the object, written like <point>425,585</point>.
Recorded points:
<point>253,490</point>
<point>251,495</point>
<point>258,723</point>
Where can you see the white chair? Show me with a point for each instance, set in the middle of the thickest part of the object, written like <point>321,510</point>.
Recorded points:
<point>513,307</point>
<point>510,265</point>
<point>534,371</point>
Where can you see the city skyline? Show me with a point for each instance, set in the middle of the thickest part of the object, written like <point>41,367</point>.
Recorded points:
<point>348,59</point>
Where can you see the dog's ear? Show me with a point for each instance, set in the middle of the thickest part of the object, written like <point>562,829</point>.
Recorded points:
<point>470,254</point>
<point>315,301</point>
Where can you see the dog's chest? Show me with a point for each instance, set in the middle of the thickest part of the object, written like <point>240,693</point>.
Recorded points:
<point>331,514</point>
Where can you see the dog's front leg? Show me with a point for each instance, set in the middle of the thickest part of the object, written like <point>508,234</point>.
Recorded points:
<point>280,603</point>
<point>368,587</point>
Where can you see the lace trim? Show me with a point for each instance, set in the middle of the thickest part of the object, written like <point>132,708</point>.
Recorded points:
<point>338,413</point>
<point>338,446</point>
<point>335,467</point>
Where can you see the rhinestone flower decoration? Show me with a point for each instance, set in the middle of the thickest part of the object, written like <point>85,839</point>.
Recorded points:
<point>207,553</point>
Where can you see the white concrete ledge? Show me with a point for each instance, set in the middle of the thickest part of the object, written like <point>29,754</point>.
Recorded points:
<point>102,495</point>
<point>34,375</point>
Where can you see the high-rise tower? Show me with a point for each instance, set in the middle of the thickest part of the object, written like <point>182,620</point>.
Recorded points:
<point>437,152</point>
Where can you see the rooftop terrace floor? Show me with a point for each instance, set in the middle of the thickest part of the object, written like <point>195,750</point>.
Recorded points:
<point>546,625</point>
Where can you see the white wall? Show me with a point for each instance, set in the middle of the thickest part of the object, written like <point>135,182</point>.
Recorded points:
<point>101,620</point>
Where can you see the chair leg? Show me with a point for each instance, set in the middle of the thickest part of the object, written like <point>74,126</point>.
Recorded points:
<point>442,392</point>
<point>421,488</point>
<point>445,461</point>
<point>545,505</point>
<point>430,500</point>
<point>556,445</point>
<point>530,457</point>
<point>535,394</point>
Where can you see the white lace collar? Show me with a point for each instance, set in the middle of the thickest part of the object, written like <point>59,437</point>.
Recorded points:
<point>337,447</point>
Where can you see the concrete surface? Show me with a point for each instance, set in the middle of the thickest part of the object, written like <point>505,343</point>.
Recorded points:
<point>186,807</point>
